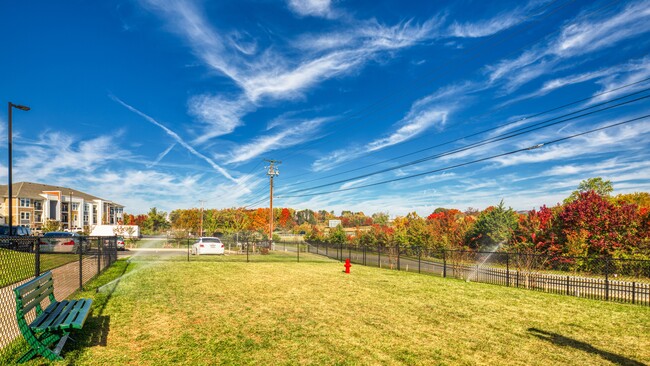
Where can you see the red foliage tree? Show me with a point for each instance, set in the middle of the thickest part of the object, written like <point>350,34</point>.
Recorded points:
<point>285,219</point>
<point>599,225</point>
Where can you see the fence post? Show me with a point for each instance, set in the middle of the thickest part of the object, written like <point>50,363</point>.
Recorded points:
<point>633,292</point>
<point>378,255</point>
<point>246,251</point>
<point>298,250</point>
<point>397,248</point>
<point>419,258</point>
<point>607,263</point>
<point>517,280</point>
<point>567,285</point>
<point>444,263</point>
<point>99,257</point>
<point>81,245</point>
<point>507,269</point>
<point>37,260</point>
<point>188,249</point>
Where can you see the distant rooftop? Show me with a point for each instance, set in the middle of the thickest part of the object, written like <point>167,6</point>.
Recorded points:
<point>33,190</point>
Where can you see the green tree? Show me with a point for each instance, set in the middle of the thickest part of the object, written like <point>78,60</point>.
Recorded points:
<point>601,187</point>
<point>380,218</point>
<point>494,226</point>
<point>155,222</point>
<point>51,225</point>
<point>337,235</point>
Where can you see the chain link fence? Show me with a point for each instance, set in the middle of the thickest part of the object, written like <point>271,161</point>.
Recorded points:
<point>73,262</point>
<point>601,278</point>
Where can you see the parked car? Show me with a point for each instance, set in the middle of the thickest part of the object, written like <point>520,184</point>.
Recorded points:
<point>208,245</point>
<point>120,243</point>
<point>60,242</point>
<point>18,230</point>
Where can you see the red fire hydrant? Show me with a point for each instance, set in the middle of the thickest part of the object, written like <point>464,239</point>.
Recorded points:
<point>347,265</point>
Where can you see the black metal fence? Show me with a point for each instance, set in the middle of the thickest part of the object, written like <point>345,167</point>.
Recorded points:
<point>601,278</point>
<point>72,261</point>
<point>609,279</point>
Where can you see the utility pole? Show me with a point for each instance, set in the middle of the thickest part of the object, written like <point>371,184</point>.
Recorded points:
<point>272,172</point>
<point>201,232</point>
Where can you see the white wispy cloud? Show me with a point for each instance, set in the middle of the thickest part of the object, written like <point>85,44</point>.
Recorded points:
<point>623,138</point>
<point>219,115</point>
<point>587,34</point>
<point>318,8</point>
<point>177,138</point>
<point>71,155</point>
<point>423,115</point>
<point>269,74</point>
<point>353,183</point>
<point>495,24</point>
<point>300,131</point>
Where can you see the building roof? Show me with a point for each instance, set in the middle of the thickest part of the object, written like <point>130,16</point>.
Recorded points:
<point>34,190</point>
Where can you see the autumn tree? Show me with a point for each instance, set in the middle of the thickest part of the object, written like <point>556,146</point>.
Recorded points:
<point>598,185</point>
<point>380,218</point>
<point>592,224</point>
<point>286,219</point>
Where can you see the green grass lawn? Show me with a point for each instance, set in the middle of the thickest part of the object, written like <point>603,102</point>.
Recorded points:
<point>222,310</point>
<point>16,266</point>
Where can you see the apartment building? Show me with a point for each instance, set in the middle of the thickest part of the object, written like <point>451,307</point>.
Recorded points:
<point>34,204</point>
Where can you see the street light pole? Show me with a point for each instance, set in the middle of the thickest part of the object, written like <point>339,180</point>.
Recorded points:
<point>70,213</point>
<point>201,230</point>
<point>9,172</point>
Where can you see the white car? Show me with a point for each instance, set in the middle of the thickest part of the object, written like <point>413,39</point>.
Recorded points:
<point>208,245</point>
<point>61,242</point>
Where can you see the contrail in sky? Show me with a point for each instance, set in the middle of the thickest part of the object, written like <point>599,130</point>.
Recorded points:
<point>177,138</point>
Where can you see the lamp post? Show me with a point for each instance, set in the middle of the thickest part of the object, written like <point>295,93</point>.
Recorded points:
<point>9,173</point>
<point>70,213</point>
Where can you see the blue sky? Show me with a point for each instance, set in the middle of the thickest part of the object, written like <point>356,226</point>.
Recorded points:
<point>165,103</point>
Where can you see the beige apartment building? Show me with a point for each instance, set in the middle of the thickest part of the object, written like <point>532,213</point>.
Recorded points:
<point>34,204</point>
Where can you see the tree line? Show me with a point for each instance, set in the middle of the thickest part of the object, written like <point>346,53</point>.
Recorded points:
<point>591,221</point>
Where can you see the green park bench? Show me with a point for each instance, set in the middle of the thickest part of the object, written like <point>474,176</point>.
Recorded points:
<point>52,325</point>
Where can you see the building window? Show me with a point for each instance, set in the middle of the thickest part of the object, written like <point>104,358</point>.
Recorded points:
<point>85,218</point>
<point>24,215</point>
<point>38,205</point>
<point>24,202</point>
<point>75,206</point>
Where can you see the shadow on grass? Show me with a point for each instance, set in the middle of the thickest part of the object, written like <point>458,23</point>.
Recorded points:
<point>563,341</point>
<point>98,325</point>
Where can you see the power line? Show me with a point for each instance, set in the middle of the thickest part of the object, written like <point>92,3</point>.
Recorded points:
<point>484,131</point>
<point>533,147</point>
<point>508,135</point>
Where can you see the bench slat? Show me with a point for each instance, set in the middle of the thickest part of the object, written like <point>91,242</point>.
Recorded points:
<point>78,314</point>
<point>31,285</point>
<point>29,306</point>
<point>49,316</point>
<point>46,286</point>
